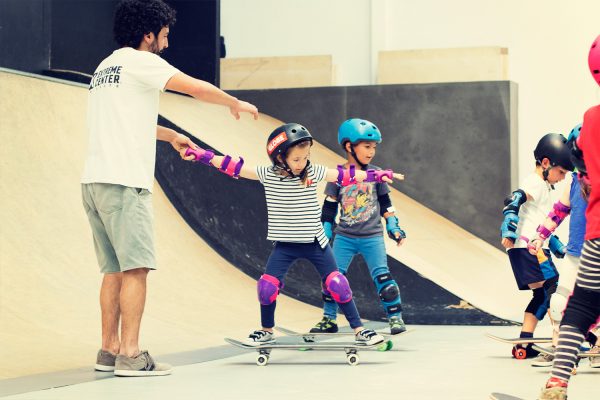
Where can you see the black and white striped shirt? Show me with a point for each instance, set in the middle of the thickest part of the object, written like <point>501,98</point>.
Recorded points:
<point>293,209</point>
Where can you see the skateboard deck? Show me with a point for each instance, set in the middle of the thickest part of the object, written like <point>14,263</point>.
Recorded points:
<point>502,396</point>
<point>515,341</point>
<point>518,351</point>
<point>264,351</point>
<point>550,351</point>
<point>311,337</point>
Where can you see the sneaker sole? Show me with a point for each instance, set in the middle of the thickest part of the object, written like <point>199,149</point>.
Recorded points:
<point>104,368</point>
<point>130,373</point>
<point>258,344</point>
<point>369,343</point>
<point>541,365</point>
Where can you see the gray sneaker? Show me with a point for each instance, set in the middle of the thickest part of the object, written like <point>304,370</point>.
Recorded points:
<point>396,325</point>
<point>105,361</point>
<point>595,361</point>
<point>141,365</point>
<point>368,337</point>
<point>259,337</point>
<point>543,360</point>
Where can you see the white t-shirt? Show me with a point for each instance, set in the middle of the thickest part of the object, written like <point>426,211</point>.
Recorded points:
<point>122,117</point>
<point>533,212</point>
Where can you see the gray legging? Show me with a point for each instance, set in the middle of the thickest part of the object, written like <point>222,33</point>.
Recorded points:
<point>570,337</point>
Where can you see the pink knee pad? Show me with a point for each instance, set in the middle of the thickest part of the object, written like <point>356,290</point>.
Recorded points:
<point>268,289</point>
<point>339,287</point>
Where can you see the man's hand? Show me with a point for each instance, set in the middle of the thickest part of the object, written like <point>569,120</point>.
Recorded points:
<point>181,143</point>
<point>243,106</point>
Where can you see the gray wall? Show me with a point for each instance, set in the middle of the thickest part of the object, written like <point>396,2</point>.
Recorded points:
<point>451,140</point>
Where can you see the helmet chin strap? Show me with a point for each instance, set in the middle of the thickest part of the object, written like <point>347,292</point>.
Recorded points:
<point>353,153</point>
<point>545,173</point>
<point>287,169</point>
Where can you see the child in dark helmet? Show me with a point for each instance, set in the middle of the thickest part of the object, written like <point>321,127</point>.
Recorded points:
<point>294,222</point>
<point>522,212</point>
<point>360,230</point>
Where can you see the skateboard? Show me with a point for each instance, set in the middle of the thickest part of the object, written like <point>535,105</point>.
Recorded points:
<point>312,337</point>
<point>502,396</point>
<point>518,351</point>
<point>582,354</point>
<point>264,351</point>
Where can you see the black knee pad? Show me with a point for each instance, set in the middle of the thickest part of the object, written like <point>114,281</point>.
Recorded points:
<point>389,293</point>
<point>538,304</point>
<point>550,286</point>
<point>583,309</point>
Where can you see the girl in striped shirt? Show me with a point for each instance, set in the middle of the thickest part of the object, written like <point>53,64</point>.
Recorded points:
<point>294,221</point>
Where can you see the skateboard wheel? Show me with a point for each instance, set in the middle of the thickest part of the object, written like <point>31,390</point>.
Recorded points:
<point>262,360</point>
<point>385,346</point>
<point>520,354</point>
<point>352,359</point>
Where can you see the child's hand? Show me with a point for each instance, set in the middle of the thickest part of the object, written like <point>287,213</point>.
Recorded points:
<point>399,177</point>
<point>507,243</point>
<point>534,246</point>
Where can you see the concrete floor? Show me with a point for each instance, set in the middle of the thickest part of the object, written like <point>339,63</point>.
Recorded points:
<point>433,362</point>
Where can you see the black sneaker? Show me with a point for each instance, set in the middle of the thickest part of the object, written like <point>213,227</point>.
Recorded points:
<point>326,325</point>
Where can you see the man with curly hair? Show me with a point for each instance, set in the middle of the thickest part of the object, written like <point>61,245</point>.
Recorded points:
<point>119,171</point>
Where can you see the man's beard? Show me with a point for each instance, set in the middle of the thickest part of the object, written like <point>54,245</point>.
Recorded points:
<point>154,48</point>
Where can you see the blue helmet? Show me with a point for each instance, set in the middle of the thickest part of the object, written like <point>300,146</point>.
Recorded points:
<point>574,133</point>
<point>355,130</point>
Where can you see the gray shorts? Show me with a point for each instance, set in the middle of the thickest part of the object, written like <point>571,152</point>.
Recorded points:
<point>122,222</point>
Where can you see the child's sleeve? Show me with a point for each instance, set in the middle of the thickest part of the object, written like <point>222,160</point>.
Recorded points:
<point>382,188</point>
<point>261,172</point>
<point>532,187</point>
<point>332,190</point>
<point>320,172</point>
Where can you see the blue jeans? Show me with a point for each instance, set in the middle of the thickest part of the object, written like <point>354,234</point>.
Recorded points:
<point>373,251</point>
<point>280,260</point>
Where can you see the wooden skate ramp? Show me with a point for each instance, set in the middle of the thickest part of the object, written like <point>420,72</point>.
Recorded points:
<point>436,249</point>
<point>49,281</point>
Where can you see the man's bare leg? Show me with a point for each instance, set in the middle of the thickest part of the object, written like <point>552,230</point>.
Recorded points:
<point>133,300</point>
<point>111,312</point>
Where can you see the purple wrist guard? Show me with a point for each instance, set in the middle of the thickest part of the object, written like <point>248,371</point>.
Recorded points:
<point>377,175</point>
<point>346,176</point>
<point>204,156</point>
<point>231,168</point>
<point>559,212</point>
<point>543,232</point>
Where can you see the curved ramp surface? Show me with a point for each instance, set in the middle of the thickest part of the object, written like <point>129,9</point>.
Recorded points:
<point>436,249</point>
<point>49,283</point>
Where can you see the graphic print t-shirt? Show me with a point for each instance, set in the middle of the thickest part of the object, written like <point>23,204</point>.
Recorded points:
<point>359,207</point>
<point>122,116</point>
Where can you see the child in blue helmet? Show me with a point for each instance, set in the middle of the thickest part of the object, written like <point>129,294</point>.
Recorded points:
<point>574,199</point>
<point>523,211</point>
<point>360,230</point>
<point>294,224</point>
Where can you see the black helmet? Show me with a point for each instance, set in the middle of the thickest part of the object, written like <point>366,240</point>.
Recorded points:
<point>553,146</point>
<point>284,137</point>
